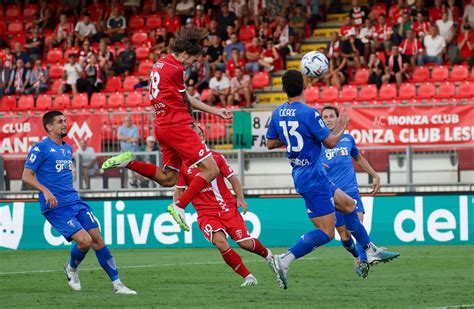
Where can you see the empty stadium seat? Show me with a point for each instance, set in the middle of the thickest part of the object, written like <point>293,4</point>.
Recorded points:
<point>116,99</point>
<point>98,100</point>
<point>349,93</point>
<point>426,91</point>
<point>71,50</point>
<point>8,103</point>
<point>138,38</point>
<point>388,92</point>
<point>465,90</point>
<point>205,94</point>
<point>54,55</point>
<point>378,9</point>
<point>79,100</point>
<point>44,101</point>
<point>459,73</point>
<point>367,93</point>
<point>129,82</point>
<point>15,27</point>
<point>13,11</point>
<point>311,94</point>
<point>30,11</point>
<point>17,38</point>
<point>136,22</point>
<point>142,52</point>
<point>55,86</point>
<point>62,101</point>
<point>56,71</point>
<point>134,99</point>
<point>439,74</point>
<point>144,68</point>
<point>407,91</point>
<point>113,84</point>
<point>247,32</point>
<point>260,80</point>
<point>329,94</point>
<point>361,77</point>
<point>215,131</point>
<point>153,22</point>
<point>446,91</point>
<point>26,102</point>
<point>421,74</point>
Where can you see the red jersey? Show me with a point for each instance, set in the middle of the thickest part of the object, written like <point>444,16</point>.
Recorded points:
<point>465,52</point>
<point>166,93</point>
<point>410,47</point>
<point>7,60</point>
<point>216,196</point>
<point>231,65</point>
<point>347,31</point>
<point>252,49</point>
<point>435,13</point>
<point>383,32</point>
<point>172,24</point>
<point>421,28</point>
<point>201,22</point>
<point>95,11</point>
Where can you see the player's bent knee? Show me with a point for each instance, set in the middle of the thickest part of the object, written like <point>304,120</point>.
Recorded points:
<point>246,244</point>
<point>330,234</point>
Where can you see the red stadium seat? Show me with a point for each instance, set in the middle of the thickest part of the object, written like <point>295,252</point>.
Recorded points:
<point>98,100</point>
<point>71,50</point>
<point>361,77</point>
<point>260,80</point>
<point>54,55</point>
<point>465,90</point>
<point>136,22</point>
<point>388,92</point>
<point>311,94</point>
<point>134,99</point>
<point>62,101</point>
<point>44,101</point>
<point>17,38</point>
<point>329,94</point>
<point>407,91</point>
<point>13,11</point>
<point>144,68</point>
<point>138,38</point>
<point>55,86</point>
<point>426,91</point>
<point>26,102</point>
<point>446,91</point>
<point>215,132</point>
<point>459,73</point>
<point>153,22</point>
<point>378,9</point>
<point>421,74</point>
<point>368,93</point>
<point>142,52</point>
<point>30,11</point>
<point>349,93</point>
<point>80,100</point>
<point>129,82</point>
<point>247,33</point>
<point>205,94</point>
<point>113,84</point>
<point>116,99</point>
<point>439,74</point>
<point>56,71</point>
<point>15,27</point>
<point>8,103</point>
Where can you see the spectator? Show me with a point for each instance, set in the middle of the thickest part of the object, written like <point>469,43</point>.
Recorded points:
<point>351,46</point>
<point>411,48</point>
<point>453,10</point>
<point>396,70</point>
<point>184,10</point>
<point>72,71</point>
<point>215,53</point>
<point>376,69</point>
<point>230,30</point>
<point>220,88</point>
<point>420,26</point>
<point>84,29</point>
<point>85,53</point>
<point>125,60</point>
<point>238,7</point>
<point>384,33</point>
<point>171,21</point>
<point>284,34</point>
<point>366,36</point>
<point>163,38</point>
<point>270,57</point>
<point>359,13</point>
<point>191,90</point>
<point>213,29</point>
<point>397,12</point>
<point>34,45</point>
<point>241,89</point>
<point>132,6</point>
<point>7,57</point>
<point>298,22</point>
<point>201,20</point>
<point>337,74</point>
<point>116,26</point>
<point>264,31</point>
<point>466,46</point>
<point>334,44</point>
<point>43,18</point>
<point>198,75</point>
<point>105,57</point>
<point>235,62</point>
<point>435,11</point>
<point>446,27</point>
<point>253,55</point>
<point>235,44</point>
<point>96,11</point>
<point>434,48</point>
<point>88,159</point>
<point>19,54</point>
<point>4,78</point>
<point>150,147</point>
<point>38,81</point>
<point>19,78</point>
<point>127,134</point>
<point>403,26</point>
<point>225,18</point>
<point>92,80</point>
<point>64,32</point>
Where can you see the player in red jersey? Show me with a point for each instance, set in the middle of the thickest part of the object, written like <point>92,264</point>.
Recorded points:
<point>173,124</point>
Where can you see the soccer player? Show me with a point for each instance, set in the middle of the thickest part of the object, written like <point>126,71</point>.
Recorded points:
<point>48,169</point>
<point>301,129</point>
<point>178,142</point>
<point>338,164</point>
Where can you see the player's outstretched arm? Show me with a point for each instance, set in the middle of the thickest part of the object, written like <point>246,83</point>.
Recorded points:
<point>237,187</point>
<point>196,104</point>
<point>274,143</point>
<point>29,178</point>
<point>366,167</point>
<point>341,125</point>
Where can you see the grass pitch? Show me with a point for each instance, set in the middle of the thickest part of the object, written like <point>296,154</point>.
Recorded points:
<point>428,276</point>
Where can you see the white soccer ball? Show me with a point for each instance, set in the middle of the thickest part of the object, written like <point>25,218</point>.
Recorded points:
<point>314,64</point>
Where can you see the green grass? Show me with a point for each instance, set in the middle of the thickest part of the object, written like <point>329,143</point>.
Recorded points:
<point>429,276</point>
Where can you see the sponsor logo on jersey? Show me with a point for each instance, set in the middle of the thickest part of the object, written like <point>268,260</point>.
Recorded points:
<point>63,165</point>
<point>336,152</point>
<point>299,162</point>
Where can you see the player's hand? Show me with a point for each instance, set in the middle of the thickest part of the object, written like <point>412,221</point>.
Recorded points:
<point>344,118</point>
<point>50,199</point>
<point>224,113</point>
<point>243,203</point>
<point>376,186</point>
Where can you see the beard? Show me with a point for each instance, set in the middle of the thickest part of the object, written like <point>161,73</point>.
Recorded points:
<point>63,135</point>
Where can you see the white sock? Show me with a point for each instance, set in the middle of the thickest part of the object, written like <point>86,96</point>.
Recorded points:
<point>269,254</point>
<point>69,268</point>
<point>287,258</point>
<point>116,282</point>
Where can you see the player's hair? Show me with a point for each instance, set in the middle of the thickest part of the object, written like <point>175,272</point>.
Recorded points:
<point>293,83</point>
<point>189,40</point>
<point>331,108</point>
<point>48,118</point>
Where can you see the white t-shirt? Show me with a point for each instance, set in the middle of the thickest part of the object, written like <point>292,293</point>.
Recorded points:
<point>88,156</point>
<point>445,29</point>
<point>184,6</point>
<point>434,46</point>
<point>72,75</point>
<point>469,12</point>
<point>224,83</point>
<point>85,30</point>
<point>364,32</point>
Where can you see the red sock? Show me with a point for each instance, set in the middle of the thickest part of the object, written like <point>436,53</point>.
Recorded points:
<point>193,189</point>
<point>258,248</point>
<point>235,262</point>
<point>145,169</point>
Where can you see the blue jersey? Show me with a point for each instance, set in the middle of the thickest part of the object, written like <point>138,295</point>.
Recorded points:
<point>339,164</point>
<point>302,130</point>
<point>52,164</point>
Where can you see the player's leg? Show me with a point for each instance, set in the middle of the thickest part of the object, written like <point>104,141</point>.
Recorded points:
<point>346,238</point>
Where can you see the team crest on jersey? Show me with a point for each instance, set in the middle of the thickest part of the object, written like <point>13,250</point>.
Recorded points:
<point>63,151</point>
<point>238,233</point>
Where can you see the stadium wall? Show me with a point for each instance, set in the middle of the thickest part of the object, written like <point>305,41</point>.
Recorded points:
<point>276,221</point>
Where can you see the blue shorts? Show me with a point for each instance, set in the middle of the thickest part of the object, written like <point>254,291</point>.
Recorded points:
<point>320,203</point>
<point>68,220</point>
<point>359,208</point>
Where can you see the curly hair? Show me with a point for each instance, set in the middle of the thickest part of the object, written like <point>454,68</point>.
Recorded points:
<point>189,40</point>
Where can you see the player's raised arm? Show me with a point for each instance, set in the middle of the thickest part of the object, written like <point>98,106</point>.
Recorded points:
<point>366,167</point>
<point>197,104</point>
<point>341,125</point>
<point>29,178</point>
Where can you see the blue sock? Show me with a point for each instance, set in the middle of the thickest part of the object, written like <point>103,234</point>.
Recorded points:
<point>308,242</point>
<point>356,228</point>
<point>350,247</point>
<point>76,256</point>
<point>107,261</point>
<point>361,251</point>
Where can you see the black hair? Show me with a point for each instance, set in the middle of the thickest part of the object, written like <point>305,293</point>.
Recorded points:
<point>293,83</point>
<point>189,40</point>
<point>331,108</point>
<point>48,118</point>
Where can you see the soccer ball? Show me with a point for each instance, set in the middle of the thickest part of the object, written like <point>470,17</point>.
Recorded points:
<point>314,64</point>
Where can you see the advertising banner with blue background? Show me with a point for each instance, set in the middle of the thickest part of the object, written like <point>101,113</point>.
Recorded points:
<point>390,220</point>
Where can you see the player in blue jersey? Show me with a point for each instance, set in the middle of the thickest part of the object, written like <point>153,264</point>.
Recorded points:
<point>48,168</point>
<point>301,129</point>
<point>338,164</point>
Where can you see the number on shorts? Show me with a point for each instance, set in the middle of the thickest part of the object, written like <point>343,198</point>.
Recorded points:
<point>154,82</point>
<point>208,229</point>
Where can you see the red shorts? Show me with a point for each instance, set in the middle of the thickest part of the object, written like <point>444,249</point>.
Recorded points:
<point>181,143</point>
<point>230,222</point>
